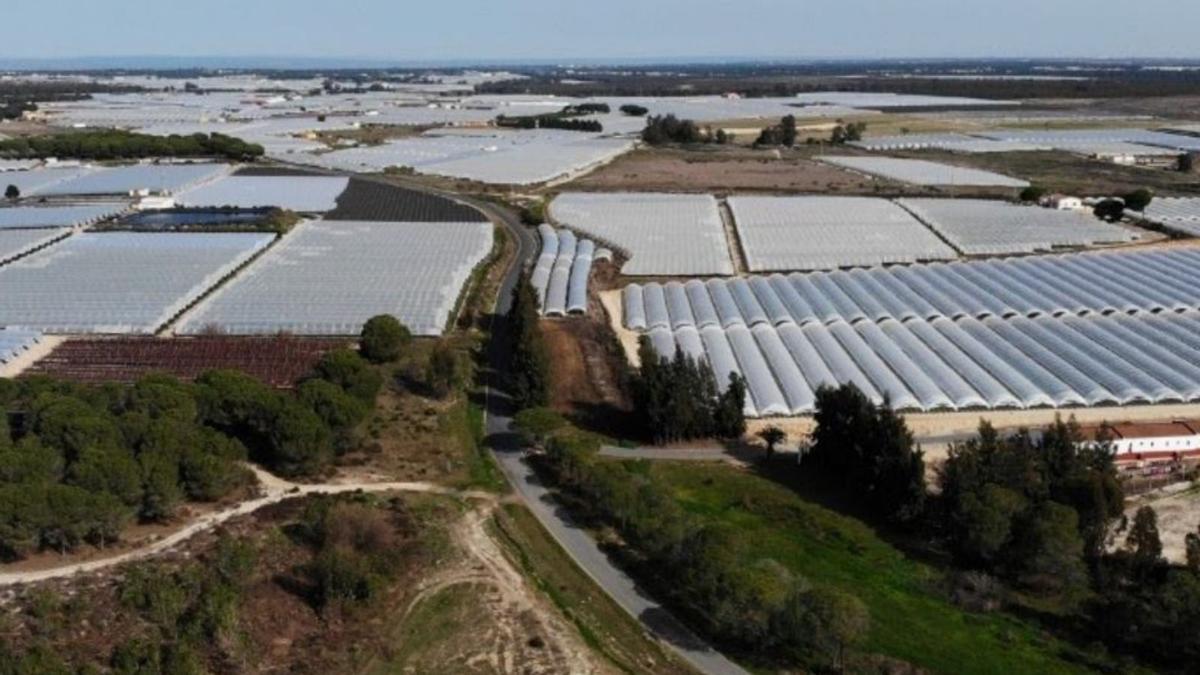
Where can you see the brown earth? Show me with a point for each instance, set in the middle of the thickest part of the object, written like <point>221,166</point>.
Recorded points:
<point>673,170</point>
<point>587,366</point>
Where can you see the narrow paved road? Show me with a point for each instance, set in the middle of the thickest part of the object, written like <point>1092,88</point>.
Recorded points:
<point>574,540</point>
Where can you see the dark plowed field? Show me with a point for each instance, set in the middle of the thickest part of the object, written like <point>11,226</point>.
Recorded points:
<point>276,171</point>
<point>277,361</point>
<point>367,200</point>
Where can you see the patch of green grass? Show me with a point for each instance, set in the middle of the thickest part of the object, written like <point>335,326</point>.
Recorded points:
<point>465,422</point>
<point>428,640</point>
<point>909,618</point>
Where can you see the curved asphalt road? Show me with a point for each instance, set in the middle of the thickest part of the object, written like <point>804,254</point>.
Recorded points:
<point>508,451</point>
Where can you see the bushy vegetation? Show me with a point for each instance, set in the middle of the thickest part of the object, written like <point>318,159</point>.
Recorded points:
<point>528,377</point>
<point>587,109</point>
<point>203,614</point>
<point>113,144</point>
<point>678,399</point>
<point>1033,194</point>
<point>847,133</point>
<point>664,129</point>
<point>82,462</point>
<point>1036,512</point>
<point>783,133</point>
<point>634,110</point>
<point>357,550</point>
<point>698,568</point>
<point>868,450</point>
<point>382,338</point>
<point>563,120</point>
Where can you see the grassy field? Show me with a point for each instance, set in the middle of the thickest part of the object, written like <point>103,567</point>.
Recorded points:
<point>604,626</point>
<point>430,638</point>
<point>910,620</point>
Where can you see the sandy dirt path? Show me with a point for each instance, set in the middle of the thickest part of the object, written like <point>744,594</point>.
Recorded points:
<point>275,490</point>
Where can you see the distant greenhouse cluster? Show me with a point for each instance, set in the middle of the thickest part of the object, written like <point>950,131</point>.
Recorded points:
<point>987,227</point>
<point>118,282</point>
<point>804,233</point>
<point>1081,284</point>
<point>560,275</point>
<point>486,156</point>
<point>921,172</point>
<point>663,234</point>
<point>329,277</point>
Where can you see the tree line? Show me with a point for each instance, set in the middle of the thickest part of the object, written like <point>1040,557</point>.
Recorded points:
<point>82,461</point>
<point>678,399</point>
<point>665,129</point>
<point>697,568</point>
<point>1034,513</point>
<point>115,144</point>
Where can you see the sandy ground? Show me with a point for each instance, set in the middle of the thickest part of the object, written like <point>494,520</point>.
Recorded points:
<point>32,356</point>
<point>1178,509</point>
<point>515,608</point>
<point>616,311</point>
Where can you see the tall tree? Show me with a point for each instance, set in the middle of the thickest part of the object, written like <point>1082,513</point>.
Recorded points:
<point>529,374</point>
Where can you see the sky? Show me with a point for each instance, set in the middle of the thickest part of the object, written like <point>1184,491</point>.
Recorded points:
<point>562,30</point>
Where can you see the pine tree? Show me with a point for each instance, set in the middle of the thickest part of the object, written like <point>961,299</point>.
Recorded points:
<point>529,376</point>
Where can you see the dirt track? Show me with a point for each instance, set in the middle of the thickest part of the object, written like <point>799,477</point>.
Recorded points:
<point>276,490</point>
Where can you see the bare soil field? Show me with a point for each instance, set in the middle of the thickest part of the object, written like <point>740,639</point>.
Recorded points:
<point>374,201</point>
<point>587,373</point>
<point>670,170</point>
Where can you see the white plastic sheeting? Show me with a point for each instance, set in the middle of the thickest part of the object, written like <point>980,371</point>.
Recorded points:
<point>122,180</point>
<point>989,227</point>
<point>329,277</point>
<point>948,141</point>
<point>16,243</point>
<point>304,194</point>
<point>1095,141</point>
<point>40,181</point>
<point>1134,282</point>
<point>118,282</point>
<point>814,233</point>
<point>664,234</point>
<point>13,343</point>
<point>958,365</point>
<point>560,275</point>
<point>921,172</point>
<point>75,215</point>
<point>1181,214</point>
<point>497,156</point>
